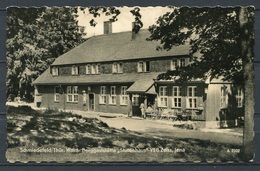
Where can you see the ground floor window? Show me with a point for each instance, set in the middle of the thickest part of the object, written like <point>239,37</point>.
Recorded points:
<point>163,99</point>
<point>192,97</point>
<point>112,97</point>
<point>56,94</point>
<point>176,99</point>
<point>72,94</point>
<point>239,97</point>
<point>124,96</point>
<point>223,97</point>
<point>103,96</point>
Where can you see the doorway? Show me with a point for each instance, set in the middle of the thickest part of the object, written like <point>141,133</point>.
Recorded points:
<point>91,102</point>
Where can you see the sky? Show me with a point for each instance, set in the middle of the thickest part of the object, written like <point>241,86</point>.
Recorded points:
<point>125,19</point>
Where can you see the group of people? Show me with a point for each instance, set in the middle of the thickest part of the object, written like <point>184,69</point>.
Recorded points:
<point>150,107</point>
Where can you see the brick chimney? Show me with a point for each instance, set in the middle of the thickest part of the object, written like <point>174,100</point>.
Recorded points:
<point>107,27</point>
<point>134,34</point>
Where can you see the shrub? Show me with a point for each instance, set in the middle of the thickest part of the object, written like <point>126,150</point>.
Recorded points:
<point>49,111</point>
<point>86,142</point>
<point>12,142</point>
<point>24,109</point>
<point>103,124</point>
<point>107,143</point>
<point>10,97</point>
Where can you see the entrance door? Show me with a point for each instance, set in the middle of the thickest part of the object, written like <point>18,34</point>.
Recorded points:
<point>136,101</point>
<point>91,102</point>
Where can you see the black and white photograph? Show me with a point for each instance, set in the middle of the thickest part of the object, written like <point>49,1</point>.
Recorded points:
<point>130,84</point>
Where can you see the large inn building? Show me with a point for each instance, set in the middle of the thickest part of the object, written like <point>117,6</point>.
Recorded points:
<point>116,72</point>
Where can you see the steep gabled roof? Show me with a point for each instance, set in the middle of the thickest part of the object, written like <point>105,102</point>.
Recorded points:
<point>117,46</point>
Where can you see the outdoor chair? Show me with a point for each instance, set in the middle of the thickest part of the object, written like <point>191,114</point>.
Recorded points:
<point>165,114</point>
<point>151,113</point>
<point>186,115</point>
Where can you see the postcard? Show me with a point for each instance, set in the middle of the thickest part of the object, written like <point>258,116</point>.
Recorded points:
<point>130,84</point>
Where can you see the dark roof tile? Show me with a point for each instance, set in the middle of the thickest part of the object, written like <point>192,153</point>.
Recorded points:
<point>117,46</point>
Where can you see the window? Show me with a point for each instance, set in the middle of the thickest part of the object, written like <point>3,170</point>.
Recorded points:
<point>178,63</point>
<point>192,97</point>
<point>69,94</point>
<point>176,99</point>
<point>56,94</point>
<point>135,100</point>
<point>75,94</point>
<point>112,98</point>
<point>74,70</point>
<point>88,69</point>
<point>143,66</point>
<point>117,68</point>
<point>124,96</point>
<point>182,62</point>
<point>223,97</point>
<point>72,94</point>
<point>103,96</point>
<point>239,97</point>
<point>114,68</point>
<point>98,69</point>
<point>120,67</point>
<point>93,69</point>
<point>163,99</point>
<point>55,71</point>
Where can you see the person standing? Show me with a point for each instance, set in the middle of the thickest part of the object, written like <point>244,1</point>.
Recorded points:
<point>142,107</point>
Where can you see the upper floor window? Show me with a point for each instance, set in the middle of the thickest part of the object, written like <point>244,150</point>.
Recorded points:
<point>223,97</point>
<point>72,94</point>
<point>56,94</point>
<point>103,96</point>
<point>239,97</point>
<point>88,69</point>
<point>178,63</point>
<point>124,96</point>
<point>93,69</point>
<point>143,66</point>
<point>163,99</point>
<point>117,68</point>
<point>98,69</point>
<point>176,99</point>
<point>75,70</point>
<point>55,71</point>
<point>192,97</point>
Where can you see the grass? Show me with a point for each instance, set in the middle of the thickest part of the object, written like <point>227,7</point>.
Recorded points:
<point>29,128</point>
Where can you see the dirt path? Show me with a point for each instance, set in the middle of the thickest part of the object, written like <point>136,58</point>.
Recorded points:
<point>166,130</point>
<point>163,128</point>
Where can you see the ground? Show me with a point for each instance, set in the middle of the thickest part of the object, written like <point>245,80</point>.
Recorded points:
<point>149,140</point>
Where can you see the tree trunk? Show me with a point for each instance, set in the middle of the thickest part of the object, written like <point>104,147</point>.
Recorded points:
<point>246,42</point>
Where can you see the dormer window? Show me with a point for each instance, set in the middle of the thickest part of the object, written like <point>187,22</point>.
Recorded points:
<point>98,69</point>
<point>55,71</point>
<point>117,67</point>
<point>88,69</point>
<point>75,70</point>
<point>143,66</point>
<point>93,69</point>
<point>178,63</point>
